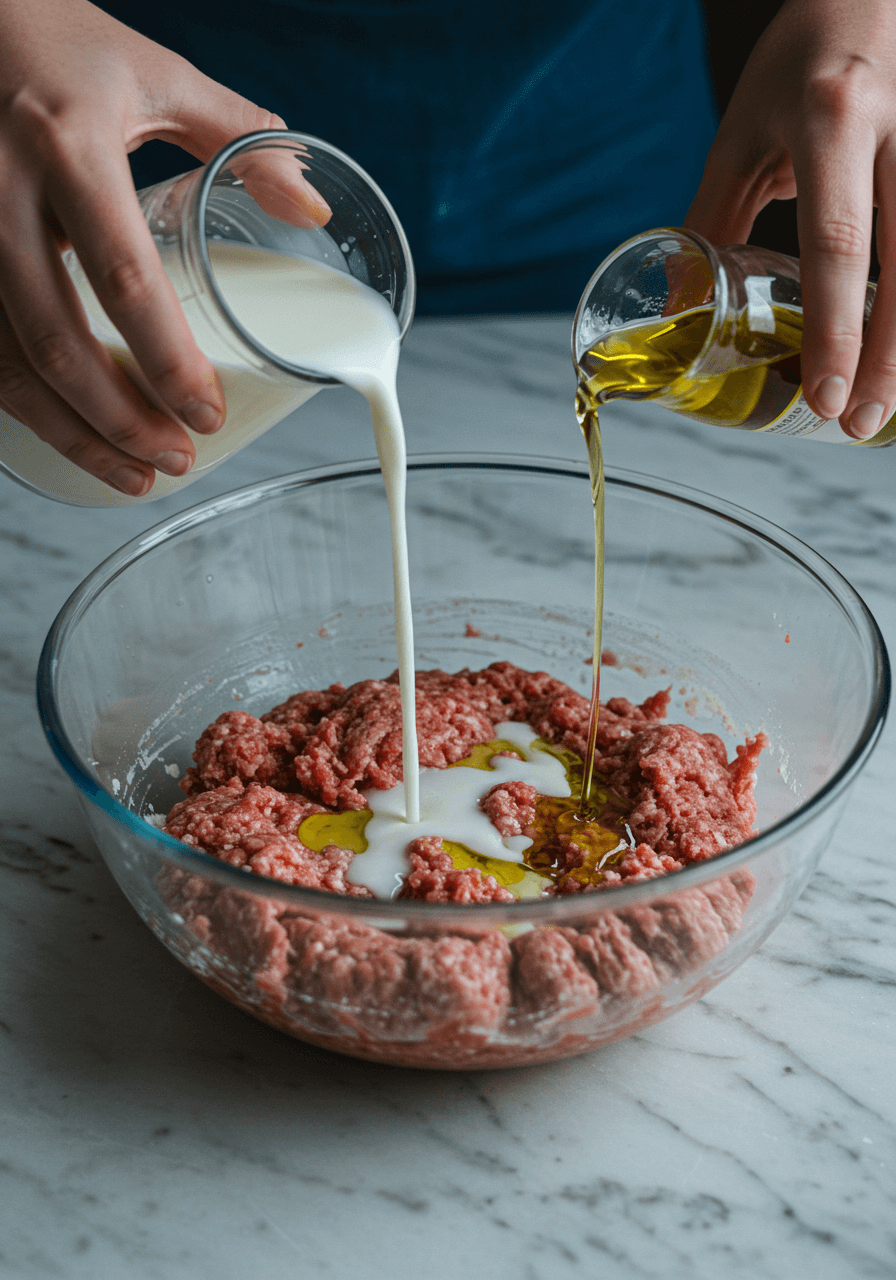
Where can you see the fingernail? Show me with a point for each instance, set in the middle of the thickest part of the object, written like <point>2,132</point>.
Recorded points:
<point>128,480</point>
<point>315,200</point>
<point>830,396</point>
<point>865,420</point>
<point>202,417</point>
<point>173,462</point>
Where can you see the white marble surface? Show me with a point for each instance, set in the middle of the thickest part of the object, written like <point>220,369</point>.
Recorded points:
<point>151,1130</point>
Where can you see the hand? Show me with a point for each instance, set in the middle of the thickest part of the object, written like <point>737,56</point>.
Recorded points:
<point>814,116</point>
<point>78,91</point>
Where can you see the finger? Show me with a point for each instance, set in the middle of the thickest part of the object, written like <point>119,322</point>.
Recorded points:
<point>93,197</point>
<point>204,115</point>
<point>725,206</point>
<point>274,178</point>
<point>742,174</point>
<point>31,401</point>
<point>55,342</point>
<point>873,396</point>
<point>210,115</point>
<point>834,166</point>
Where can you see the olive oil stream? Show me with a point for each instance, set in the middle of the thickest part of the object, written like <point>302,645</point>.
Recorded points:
<point>586,412</point>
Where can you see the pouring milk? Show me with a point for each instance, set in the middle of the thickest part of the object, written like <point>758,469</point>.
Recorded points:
<point>310,314</point>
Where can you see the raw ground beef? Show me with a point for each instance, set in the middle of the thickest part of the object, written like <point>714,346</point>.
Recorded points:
<point>457,996</point>
<point>467,995</point>
<point>256,780</point>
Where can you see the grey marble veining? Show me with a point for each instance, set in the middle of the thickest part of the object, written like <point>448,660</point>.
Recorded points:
<point>150,1130</point>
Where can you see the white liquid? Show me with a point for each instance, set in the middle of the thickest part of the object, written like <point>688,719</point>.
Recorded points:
<point>324,319</point>
<point>449,807</point>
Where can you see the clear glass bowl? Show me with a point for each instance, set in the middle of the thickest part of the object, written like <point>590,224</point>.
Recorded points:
<point>287,585</point>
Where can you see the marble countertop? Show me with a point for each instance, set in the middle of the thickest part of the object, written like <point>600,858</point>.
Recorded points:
<point>151,1130</point>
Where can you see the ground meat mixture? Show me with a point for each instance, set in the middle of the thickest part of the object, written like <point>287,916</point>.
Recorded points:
<point>253,828</point>
<point>438,997</point>
<point>256,780</point>
<point>434,878</point>
<point>460,997</point>
<point>510,806</point>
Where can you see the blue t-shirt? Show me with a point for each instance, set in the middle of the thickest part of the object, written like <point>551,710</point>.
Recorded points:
<point>519,142</point>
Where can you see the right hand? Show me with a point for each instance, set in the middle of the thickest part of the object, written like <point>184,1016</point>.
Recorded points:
<point>78,91</point>
<point>814,116</point>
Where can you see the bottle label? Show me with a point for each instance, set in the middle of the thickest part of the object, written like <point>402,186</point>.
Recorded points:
<point>799,420</point>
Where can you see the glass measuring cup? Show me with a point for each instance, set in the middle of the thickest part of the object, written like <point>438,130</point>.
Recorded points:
<point>712,332</point>
<point>241,197</point>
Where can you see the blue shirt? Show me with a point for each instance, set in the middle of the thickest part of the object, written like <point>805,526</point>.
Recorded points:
<point>518,140</point>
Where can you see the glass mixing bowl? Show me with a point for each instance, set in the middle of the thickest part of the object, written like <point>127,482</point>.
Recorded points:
<point>287,585</point>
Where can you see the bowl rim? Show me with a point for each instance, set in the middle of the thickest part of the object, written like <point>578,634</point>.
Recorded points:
<point>392,913</point>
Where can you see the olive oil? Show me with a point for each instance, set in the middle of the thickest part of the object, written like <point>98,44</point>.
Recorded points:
<point>518,877</point>
<point>712,333</point>
<point>586,412</point>
<point>599,834</point>
<point>597,827</point>
<point>658,360</point>
<point>742,370</point>
<point>344,829</point>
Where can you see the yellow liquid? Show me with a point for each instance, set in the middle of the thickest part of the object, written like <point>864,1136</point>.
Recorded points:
<point>587,415</point>
<point>653,361</point>
<point>601,835</point>
<point>598,826</point>
<point>345,830</point>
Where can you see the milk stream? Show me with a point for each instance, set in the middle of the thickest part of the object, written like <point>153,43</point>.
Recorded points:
<point>326,320</point>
